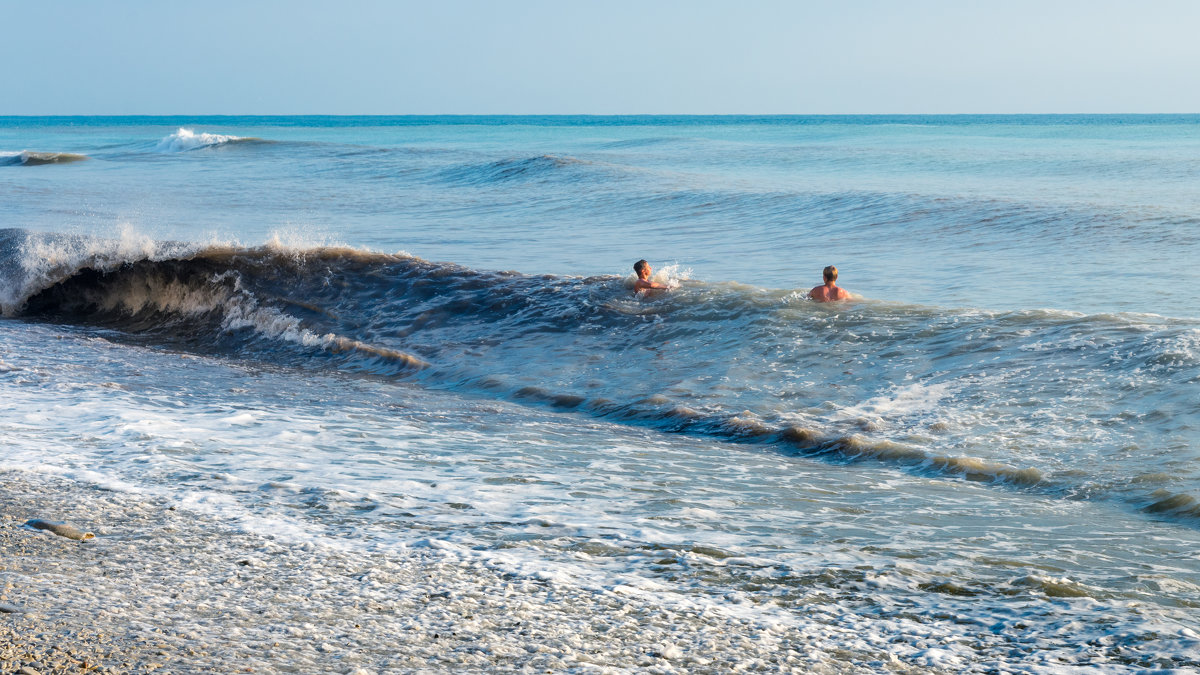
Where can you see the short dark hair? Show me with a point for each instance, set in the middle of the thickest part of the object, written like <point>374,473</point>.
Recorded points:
<point>639,266</point>
<point>830,273</point>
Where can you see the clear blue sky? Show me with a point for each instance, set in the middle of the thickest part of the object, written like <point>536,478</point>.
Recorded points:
<point>602,57</point>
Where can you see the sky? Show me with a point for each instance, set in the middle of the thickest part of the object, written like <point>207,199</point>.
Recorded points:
<point>65,57</point>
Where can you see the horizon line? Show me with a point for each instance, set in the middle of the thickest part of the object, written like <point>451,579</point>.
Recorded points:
<point>857,114</point>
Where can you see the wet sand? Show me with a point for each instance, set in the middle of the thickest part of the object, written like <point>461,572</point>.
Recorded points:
<point>160,589</point>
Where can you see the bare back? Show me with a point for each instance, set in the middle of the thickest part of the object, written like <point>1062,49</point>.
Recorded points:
<point>829,293</point>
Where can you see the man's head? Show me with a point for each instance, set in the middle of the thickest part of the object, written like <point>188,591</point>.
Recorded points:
<point>642,268</point>
<point>830,274</point>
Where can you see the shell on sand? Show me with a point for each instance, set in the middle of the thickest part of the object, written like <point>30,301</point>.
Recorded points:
<point>61,529</point>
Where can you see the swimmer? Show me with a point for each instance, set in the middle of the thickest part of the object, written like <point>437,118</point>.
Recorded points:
<point>829,291</point>
<point>643,282</point>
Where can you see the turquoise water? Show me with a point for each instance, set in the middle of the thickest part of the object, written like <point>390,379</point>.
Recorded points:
<point>1081,213</point>
<point>434,317</point>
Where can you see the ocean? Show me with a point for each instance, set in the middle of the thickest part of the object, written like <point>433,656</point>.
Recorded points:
<point>388,335</point>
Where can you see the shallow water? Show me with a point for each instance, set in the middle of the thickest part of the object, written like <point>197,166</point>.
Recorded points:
<point>242,314</point>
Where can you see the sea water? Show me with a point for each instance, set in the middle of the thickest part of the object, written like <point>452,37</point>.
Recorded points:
<point>379,333</point>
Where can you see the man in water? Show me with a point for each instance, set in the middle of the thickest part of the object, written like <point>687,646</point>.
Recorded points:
<point>829,291</point>
<point>643,282</point>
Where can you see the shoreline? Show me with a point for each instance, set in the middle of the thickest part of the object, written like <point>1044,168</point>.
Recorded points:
<point>162,590</point>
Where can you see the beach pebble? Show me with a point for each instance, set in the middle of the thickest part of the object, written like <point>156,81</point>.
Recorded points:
<point>6,608</point>
<point>61,529</point>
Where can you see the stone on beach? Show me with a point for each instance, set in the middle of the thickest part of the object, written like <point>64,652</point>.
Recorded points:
<point>61,529</point>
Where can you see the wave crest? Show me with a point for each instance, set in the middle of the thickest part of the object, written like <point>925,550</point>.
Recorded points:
<point>30,158</point>
<point>540,167</point>
<point>185,139</point>
<point>189,294</point>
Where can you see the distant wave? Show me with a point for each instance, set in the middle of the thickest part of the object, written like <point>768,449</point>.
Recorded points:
<point>641,142</point>
<point>186,139</point>
<point>28,158</point>
<point>585,344</point>
<point>516,169</point>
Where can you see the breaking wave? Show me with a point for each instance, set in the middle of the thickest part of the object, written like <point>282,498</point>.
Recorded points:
<point>28,158</point>
<point>757,367</point>
<point>187,139</point>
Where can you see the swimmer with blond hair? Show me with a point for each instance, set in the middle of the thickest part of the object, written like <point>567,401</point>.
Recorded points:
<point>830,291</point>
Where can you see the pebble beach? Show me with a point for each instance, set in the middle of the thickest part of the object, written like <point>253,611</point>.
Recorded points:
<point>68,606</point>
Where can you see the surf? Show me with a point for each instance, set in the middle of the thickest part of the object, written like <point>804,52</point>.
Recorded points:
<point>756,367</point>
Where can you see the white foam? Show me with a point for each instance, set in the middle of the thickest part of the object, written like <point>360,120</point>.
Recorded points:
<point>186,139</point>
<point>239,419</point>
<point>672,275</point>
<point>917,400</point>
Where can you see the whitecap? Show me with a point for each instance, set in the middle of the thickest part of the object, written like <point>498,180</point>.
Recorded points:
<point>186,139</point>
